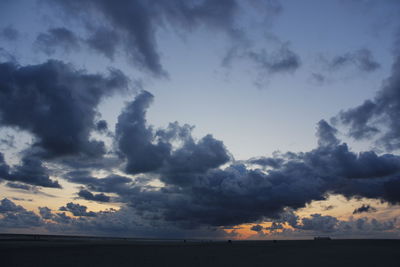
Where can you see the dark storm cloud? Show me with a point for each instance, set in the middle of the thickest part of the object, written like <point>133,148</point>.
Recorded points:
<point>25,188</point>
<point>358,118</point>
<point>19,186</point>
<point>24,219</point>
<point>282,60</point>
<point>132,24</point>
<point>198,192</point>
<point>85,194</point>
<point>194,158</point>
<point>101,126</point>
<point>111,184</point>
<point>320,224</point>
<point>56,220</point>
<point>9,33</point>
<point>57,38</point>
<point>274,226</point>
<point>77,210</point>
<point>326,134</point>
<point>84,162</point>
<point>57,104</point>
<point>150,151</point>
<point>379,115</point>
<point>122,222</point>
<point>45,213</point>
<point>135,138</point>
<point>4,168</point>
<point>7,205</point>
<point>364,208</point>
<point>15,216</point>
<point>256,228</point>
<point>362,59</point>
<point>30,171</point>
<point>317,222</point>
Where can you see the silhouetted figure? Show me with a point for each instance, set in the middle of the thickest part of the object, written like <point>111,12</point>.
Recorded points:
<point>230,241</point>
<point>274,241</point>
<point>184,240</point>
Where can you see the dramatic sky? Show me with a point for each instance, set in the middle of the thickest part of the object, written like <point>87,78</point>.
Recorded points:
<point>239,119</point>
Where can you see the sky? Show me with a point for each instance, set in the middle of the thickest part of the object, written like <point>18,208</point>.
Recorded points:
<point>222,119</point>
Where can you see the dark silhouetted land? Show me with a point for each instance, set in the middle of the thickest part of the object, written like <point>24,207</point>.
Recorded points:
<point>24,250</point>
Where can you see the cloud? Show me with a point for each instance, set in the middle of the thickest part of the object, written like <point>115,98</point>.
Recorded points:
<point>45,213</point>
<point>266,162</point>
<point>132,25</point>
<point>31,189</point>
<point>57,38</point>
<point>31,171</point>
<point>85,194</point>
<point>104,41</point>
<point>19,186</point>
<point>4,168</point>
<point>7,205</point>
<point>318,78</point>
<point>378,115</point>
<point>9,33</point>
<point>364,208</point>
<point>101,126</point>
<point>149,151</point>
<point>77,210</point>
<point>111,184</point>
<point>281,61</point>
<point>8,141</point>
<point>329,207</point>
<point>326,134</point>
<point>125,222</point>
<point>198,192</point>
<point>22,199</point>
<point>361,59</point>
<point>274,226</point>
<point>57,104</point>
<point>15,216</point>
<point>135,139</point>
<point>319,224</point>
<point>6,56</point>
<point>236,195</point>
<point>256,228</point>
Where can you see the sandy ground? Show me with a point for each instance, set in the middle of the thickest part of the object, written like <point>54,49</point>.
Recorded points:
<point>68,252</point>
